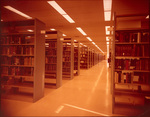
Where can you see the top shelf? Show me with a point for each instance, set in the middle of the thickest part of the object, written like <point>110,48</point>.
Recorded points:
<point>18,33</point>
<point>132,30</point>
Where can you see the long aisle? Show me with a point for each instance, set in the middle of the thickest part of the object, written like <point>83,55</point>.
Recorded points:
<point>88,94</point>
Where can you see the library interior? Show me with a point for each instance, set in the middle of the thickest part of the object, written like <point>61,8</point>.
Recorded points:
<point>75,58</point>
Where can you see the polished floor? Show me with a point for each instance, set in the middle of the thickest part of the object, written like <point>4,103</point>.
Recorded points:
<point>88,94</point>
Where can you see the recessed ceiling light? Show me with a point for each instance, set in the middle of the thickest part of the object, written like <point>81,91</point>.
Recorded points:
<point>46,36</point>
<point>81,31</point>
<point>75,40</point>
<point>1,20</point>
<point>61,11</point>
<point>17,11</point>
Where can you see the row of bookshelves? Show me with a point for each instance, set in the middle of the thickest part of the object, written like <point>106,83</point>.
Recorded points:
<point>21,50</point>
<point>51,44</point>
<point>132,50</point>
<point>66,64</point>
<point>51,67</point>
<point>67,70</point>
<point>68,58</point>
<point>89,58</point>
<point>66,53</point>
<point>12,70</point>
<point>13,80</point>
<point>132,64</point>
<point>132,77</point>
<point>26,56</point>
<point>51,59</point>
<point>50,51</point>
<point>66,49</point>
<point>132,36</point>
<point>17,39</point>
<point>17,60</point>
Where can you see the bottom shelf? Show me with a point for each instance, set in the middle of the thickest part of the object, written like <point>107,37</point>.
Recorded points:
<point>131,105</point>
<point>50,83</point>
<point>129,110</point>
<point>17,93</point>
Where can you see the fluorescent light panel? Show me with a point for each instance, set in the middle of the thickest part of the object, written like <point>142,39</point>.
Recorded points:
<point>17,11</point>
<point>68,43</point>
<point>64,35</point>
<point>107,39</point>
<point>107,9</point>
<point>52,29</point>
<point>89,38</point>
<point>93,43</point>
<point>81,31</point>
<point>67,17</point>
<point>106,29</point>
<point>107,15</point>
<point>61,11</point>
<point>81,43</point>
<point>30,30</point>
<point>57,7</point>
<point>107,5</point>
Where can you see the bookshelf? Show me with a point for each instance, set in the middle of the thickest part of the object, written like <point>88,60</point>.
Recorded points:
<point>84,61</point>
<point>90,57</point>
<point>22,53</point>
<point>76,58</point>
<point>93,57</point>
<point>131,68</point>
<point>68,58</point>
<point>96,58</point>
<point>53,59</point>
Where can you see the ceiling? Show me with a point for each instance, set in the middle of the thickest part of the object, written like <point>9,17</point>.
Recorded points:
<point>87,14</point>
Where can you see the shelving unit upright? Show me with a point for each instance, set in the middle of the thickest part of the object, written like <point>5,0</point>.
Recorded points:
<point>53,59</point>
<point>68,58</point>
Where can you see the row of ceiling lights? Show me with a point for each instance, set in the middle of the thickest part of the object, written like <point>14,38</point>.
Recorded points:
<point>60,10</point>
<point>69,19</point>
<point>107,14</point>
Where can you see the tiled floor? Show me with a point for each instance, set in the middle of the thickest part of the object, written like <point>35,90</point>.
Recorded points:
<point>88,94</point>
